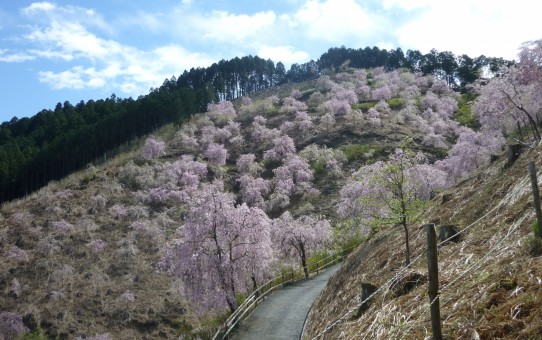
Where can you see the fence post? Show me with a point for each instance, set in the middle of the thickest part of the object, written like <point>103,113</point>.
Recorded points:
<point>317,266</point>
<point>536,198</point>
<point>432,264</point>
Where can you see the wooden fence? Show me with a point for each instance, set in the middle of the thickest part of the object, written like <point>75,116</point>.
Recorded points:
<point>272,285</point>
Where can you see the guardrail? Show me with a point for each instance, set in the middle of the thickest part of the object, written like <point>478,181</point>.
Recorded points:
<point>260,293</point>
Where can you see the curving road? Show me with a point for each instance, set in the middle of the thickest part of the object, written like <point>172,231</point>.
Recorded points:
<point>281,316</point>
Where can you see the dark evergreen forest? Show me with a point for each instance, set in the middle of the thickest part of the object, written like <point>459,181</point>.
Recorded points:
<point>54,143</point>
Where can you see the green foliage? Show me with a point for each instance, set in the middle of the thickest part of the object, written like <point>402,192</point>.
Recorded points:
<point>316,260</point>
<point>364,106</point>
<point>464,113</point>
<point>396,103</point>
<point>361,151</point>
<point>35,335</point>
<point>240,298</point>
<point>307,93</point>
<point>536,228</point>
<point>318,167</point>
<point>272,112</point>
<point>533,246</point>
<point>347,233</point>
<point>440,153</point>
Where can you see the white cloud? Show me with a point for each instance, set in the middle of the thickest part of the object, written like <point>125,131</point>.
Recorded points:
<point>332,20</point>
<point>287,54</point>
<point>7,57</point>
<point>408,5</point>
<point>74,41</point>
<point>44,12</point>
<point>112,64</point>
<point>37,7</point>
<point>71,79</point>
<point>227,27</point>
<point>471,27</point>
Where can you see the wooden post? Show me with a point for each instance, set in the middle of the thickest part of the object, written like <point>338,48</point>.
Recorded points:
<point>432,264</point>
<point>536,197</point>
<point>317,266</point>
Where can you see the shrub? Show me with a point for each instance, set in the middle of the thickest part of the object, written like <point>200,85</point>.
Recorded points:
<point>11,325</point>
<point>395,103</point>
<point>364,106</point>
<point>360,151</point>
<point>464,113</point>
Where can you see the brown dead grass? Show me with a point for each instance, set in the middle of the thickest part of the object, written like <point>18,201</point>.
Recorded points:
<point>490,287</point>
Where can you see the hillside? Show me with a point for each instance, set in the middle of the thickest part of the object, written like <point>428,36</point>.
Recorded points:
<point>84,256</point>
<point>54,143</point>
<point>490,284</point>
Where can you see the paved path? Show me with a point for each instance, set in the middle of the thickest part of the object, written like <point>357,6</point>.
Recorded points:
<point>281,316</point>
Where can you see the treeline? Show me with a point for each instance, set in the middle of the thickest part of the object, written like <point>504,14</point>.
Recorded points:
<point>458,71</point>
<point>54,143</point>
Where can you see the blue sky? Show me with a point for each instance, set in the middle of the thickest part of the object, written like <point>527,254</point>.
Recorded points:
<point>55,51</point>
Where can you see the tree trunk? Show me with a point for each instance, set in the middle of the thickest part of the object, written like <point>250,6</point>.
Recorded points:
<point>407,250</point>
<point>255,285</point>
<point>303,259</point>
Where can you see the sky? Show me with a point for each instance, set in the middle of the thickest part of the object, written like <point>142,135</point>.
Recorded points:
<point>77,50</point>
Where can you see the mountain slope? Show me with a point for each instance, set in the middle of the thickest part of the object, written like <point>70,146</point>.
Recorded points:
<point>490,286</point>
<point>81,256</point>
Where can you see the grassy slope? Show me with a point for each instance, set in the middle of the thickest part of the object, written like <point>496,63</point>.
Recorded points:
<point>491,287</point>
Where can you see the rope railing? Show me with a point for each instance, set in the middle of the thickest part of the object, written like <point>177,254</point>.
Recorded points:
<point>270,286</point>
<point>511,196</point>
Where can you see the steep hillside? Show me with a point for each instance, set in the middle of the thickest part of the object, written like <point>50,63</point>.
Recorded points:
<point>491,287</point>
<point>99,254</point>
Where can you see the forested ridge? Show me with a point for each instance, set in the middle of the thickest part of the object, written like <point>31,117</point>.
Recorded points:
<point>54,143</point>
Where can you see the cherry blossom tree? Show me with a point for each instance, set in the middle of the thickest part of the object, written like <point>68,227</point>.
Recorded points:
<point>507,102</point>
<point>471,150</point>
<point>303,121</point>
<point>294,176</point>
<point>530,62</point>
<point>246,164</point>
<point>222,250</point>
<point>254,190</point>
<point>382,93</point>
<point>260,133</point>
<point>222,111</point>
<point>16,254</point>
<point>327,122</point>
<point>374,117</point>
<point>11,325</point>
<point>337,107</point>
<point>298,238</point>
<point>395,190</point>
<point>176,182</point>
<point>291,105</point>
<point>208,134</point>
<point>96,246</point>
<point>153,148</point>
<point>282,147</point>
<point>216,154</point>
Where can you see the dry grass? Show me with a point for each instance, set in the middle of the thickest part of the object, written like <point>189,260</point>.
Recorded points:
<point>491,287</point>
